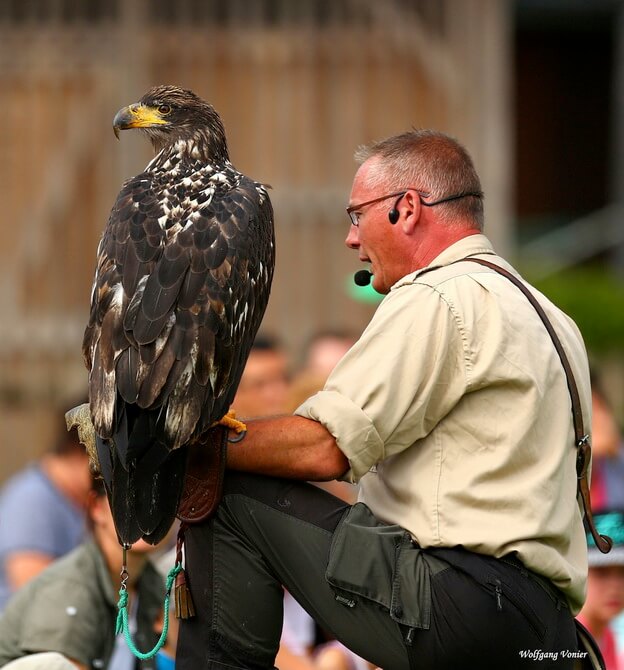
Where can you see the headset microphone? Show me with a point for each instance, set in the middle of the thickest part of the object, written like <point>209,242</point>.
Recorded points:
<point>394,214</point>
<point>362,277</point>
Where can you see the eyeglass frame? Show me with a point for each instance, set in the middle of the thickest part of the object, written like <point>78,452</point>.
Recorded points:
<point>352,210</point>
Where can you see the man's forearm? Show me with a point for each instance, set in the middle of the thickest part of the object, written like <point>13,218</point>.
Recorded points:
<point>288,446</point>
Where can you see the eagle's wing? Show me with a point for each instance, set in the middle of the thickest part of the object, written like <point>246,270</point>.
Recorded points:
<point>182,282</point>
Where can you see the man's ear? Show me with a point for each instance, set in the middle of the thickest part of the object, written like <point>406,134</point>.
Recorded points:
<point>97,508</point>
<point>411,211</point>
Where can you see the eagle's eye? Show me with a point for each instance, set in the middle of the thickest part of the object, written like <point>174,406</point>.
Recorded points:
<point>164,109</point>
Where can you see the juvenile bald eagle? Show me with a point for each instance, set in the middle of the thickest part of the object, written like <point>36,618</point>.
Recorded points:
<point>184,270</point>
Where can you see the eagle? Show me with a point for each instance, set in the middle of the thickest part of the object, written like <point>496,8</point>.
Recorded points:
<point>182,281</point>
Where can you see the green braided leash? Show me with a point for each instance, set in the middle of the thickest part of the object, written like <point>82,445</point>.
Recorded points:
<point>122,616</point>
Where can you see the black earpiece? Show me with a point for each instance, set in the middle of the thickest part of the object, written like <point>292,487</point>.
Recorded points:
<point>394,214</point>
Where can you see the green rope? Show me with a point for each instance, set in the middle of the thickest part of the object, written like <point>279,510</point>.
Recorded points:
<point>122,617</point>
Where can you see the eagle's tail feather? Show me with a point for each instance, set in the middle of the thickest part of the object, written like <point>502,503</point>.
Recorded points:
<point>158,494</point>
<point>104,460</point>
<point>143,478</point>
<point>122,501</point>
<point>158,485</point>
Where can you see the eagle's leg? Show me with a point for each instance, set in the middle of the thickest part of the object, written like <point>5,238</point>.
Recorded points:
<point>80,417</point>
<point>230,421</point>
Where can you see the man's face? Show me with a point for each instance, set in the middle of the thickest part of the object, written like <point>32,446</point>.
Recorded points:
<point>263,387</point>
<point>605,592</point>
<point>376,240</point>
<point>104,530</point>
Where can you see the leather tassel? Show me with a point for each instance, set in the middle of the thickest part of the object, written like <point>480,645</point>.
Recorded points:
<point>184,607</point>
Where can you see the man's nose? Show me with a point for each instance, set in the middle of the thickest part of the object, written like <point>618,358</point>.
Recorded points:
<point>352,240</point>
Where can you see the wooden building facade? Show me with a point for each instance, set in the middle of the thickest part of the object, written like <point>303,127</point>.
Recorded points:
<point>299,84</point>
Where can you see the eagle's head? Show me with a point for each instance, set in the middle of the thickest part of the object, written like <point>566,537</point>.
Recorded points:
<point>176,116</point>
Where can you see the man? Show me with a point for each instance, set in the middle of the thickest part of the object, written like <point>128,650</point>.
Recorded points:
<point>467,547</point>
<point>42,511</point>
<point>263,388</point>
<point>64,618</point>
<point>605,587</point>
<point>323,350</point>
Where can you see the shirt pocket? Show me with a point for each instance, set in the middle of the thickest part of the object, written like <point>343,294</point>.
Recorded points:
<point>380,563</point>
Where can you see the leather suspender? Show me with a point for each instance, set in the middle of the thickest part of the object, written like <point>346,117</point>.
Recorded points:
<point>583,458</point>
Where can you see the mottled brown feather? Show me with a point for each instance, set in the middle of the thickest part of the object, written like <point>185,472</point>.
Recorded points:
<point>182,281</point>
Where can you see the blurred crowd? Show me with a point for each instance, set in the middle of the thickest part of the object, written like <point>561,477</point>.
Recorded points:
<point>602,612</point>
<point>60,560</point>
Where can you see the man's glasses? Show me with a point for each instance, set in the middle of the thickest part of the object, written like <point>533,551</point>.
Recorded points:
<point>354,210</point>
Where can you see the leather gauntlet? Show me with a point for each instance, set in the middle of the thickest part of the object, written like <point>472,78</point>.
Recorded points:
<point>203,483</point>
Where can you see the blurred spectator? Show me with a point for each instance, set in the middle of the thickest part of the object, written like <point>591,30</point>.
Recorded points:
<point>605,586</point>
<point>607,482</point>
<point>263,388</point>
<point>42,511</point>
<point>298,637</point>
<point>324,349</point>
<point>298,648</point>
<point>71,607</point>
<point>165,659</point>
<point>335,656</point>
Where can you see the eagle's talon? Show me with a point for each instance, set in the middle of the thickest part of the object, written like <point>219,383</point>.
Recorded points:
<point>230,421</point>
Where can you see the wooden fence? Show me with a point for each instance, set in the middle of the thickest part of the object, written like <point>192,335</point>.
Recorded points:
<point>299,84</point>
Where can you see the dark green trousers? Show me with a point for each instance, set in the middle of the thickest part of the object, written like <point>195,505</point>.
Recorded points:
<point>383,597</point>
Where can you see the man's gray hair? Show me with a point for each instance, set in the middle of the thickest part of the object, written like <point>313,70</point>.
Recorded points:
<point>433,163</point>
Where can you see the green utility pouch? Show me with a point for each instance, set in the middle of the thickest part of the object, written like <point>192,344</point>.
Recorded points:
<point>379,562</point>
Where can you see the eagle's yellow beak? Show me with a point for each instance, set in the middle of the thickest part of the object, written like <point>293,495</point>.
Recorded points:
<point>137,116</point>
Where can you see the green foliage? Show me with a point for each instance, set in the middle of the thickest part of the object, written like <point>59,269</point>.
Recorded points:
<point>592,295</point>
<point>594,298</point>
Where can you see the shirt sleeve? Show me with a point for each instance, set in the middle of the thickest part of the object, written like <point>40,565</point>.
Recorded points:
<point>43,531</point>
<point>62,617</point>
<point>405,373</point>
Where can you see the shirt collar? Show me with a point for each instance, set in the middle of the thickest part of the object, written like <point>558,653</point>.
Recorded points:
<point>467,246</point>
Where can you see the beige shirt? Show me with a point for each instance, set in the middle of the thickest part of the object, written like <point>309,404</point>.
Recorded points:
<point>454,413</point>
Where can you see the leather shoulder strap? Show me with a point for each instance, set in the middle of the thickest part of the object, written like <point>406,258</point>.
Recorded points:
<point>583,459</point>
